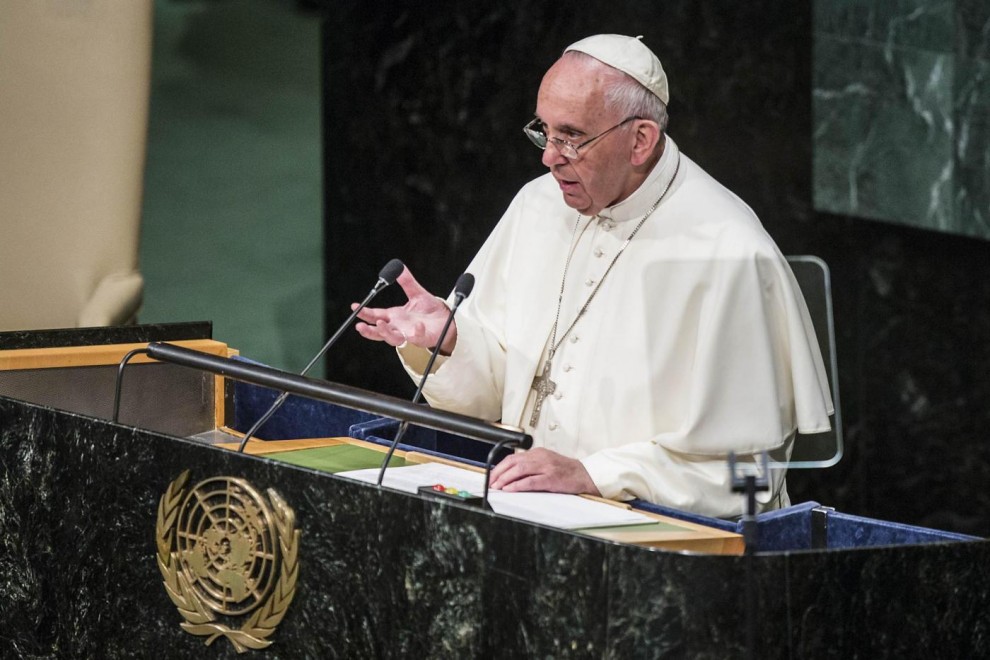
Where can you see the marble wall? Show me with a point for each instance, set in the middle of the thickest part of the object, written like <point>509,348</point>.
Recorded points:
<point>901,97</point>
<point>423,151</point>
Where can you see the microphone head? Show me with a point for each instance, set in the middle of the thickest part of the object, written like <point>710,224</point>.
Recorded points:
<point>391,271</point>
<point>462,289</point>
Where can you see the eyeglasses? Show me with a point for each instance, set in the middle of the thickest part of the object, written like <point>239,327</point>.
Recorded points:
<point>536,133</point>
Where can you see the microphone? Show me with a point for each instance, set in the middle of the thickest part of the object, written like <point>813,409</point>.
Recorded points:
<point>386,276</point>
<point>462,289</point>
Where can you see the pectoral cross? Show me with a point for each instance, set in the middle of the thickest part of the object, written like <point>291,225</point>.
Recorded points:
<point>544,387</point>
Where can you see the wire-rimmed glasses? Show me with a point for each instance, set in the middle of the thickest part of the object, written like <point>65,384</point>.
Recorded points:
<point>536,132</point>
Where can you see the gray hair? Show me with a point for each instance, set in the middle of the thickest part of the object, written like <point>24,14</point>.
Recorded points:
<point>624,94</point>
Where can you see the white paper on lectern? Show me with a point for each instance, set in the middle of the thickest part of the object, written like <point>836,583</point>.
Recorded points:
<point>563,511</point>
<point>551,509</point>
<point>410,477</point>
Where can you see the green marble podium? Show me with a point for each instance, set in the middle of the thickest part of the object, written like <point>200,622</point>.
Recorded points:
<point>85,504</point>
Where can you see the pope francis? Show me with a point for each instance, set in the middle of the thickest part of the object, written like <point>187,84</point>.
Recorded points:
<point>630,312</point>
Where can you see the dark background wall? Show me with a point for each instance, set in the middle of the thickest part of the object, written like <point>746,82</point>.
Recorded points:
<point>423,107</point>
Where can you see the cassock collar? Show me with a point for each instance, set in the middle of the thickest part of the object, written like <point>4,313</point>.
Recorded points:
<point>644,197</point>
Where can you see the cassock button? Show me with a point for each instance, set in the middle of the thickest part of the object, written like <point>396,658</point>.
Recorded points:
<point>567,368</point>
<point>607,225</point>
<point>558,396</point>
<point>589,282</point>
<point>574,339</point>
<point>599,252</point>
<point>552,426</point>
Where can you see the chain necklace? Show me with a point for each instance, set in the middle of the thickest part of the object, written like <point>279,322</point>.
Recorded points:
<point>542,384</point>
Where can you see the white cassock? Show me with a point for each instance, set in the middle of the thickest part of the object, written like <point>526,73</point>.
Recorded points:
<point>697,343</point>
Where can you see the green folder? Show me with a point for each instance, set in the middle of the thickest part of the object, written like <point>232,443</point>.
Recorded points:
<point>339,458</point>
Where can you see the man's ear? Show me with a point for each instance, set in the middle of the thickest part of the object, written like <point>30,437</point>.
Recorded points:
<point>647,137</point>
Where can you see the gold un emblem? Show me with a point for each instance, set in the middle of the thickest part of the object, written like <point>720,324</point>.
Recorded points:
<point>224,553</point>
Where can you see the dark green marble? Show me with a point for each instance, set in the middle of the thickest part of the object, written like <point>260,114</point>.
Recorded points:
<point>922,24</point>
<point>973,17</point>
<point>900,111</point>
<point>105,335</point>
<point>385,574</point>
<point>884,134</point>
<point>972,94</point>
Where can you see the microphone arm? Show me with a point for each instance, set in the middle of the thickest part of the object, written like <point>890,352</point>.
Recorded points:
<point>343,395</point>
<point>387,275</point>
<point>462,289</point>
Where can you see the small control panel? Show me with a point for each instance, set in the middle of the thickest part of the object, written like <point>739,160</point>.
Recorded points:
<point>447,493</point>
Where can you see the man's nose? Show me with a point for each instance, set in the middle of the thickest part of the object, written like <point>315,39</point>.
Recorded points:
<point>552,156</point>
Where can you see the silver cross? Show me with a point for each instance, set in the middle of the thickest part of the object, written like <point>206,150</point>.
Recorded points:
<point>544,387</point>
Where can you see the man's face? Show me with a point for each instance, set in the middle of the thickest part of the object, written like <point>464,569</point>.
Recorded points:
<point>571,104</point>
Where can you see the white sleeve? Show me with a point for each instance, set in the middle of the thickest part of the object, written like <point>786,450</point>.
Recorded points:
<point>757,379</point>
<point>701,484</point>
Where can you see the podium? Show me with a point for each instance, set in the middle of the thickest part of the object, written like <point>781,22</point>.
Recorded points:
<point>86,505</point>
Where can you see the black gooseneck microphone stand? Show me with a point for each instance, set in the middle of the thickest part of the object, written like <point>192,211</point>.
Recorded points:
<point>462,289</point>
<point>386,277</point>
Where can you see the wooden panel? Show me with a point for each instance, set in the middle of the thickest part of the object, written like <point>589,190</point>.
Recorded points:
<point>262,447</point>
<point>90,356</point>
<point>690,537</point>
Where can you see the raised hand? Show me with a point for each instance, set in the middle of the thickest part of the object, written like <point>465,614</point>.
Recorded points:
<point>418,322</point>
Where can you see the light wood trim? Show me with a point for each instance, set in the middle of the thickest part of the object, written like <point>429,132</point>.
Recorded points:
<point>262,447</point>
<point>219,402</point>
<point>219,390</point>
<point>702,539</point>
<point>91,356</point>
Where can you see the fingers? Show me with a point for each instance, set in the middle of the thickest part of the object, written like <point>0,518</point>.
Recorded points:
<point>528,483</point>
<point>502,474</point>
<point>536,483</point>
<point>382,331</point>
<point>372,315</point>
<point>378,325</point>
<point>543,470</point>
<point>513,471</point>
<point>414,291</point>
<point>419,321</point>
<point>410,286</point>
<point>368,332</point>
<point>393,335</point>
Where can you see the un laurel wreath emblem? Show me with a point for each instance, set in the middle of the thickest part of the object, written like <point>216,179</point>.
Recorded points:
<point>224,551</point>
